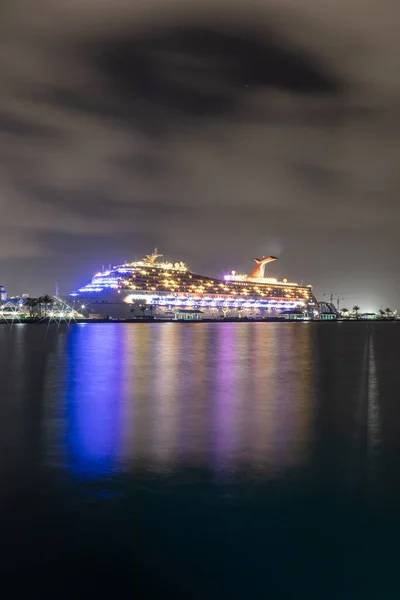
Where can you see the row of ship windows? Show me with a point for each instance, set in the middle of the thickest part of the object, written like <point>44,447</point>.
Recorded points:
<point>273,292</point>
<point>201,287</point>
<point>184,279</point>
<point>173,279</point>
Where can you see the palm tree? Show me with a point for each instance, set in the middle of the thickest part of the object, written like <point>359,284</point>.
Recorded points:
<point>381,312</point>
<point>388,312</point>
<point>31,303</point>
<point>345,311</point>
<point>151,308</point>
<point>356,310</point>
<point>40,304</point>
<point>47,301</point>
<point>143,309</point>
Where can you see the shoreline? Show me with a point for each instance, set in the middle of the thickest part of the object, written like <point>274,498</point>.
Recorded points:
<point>47,321</point>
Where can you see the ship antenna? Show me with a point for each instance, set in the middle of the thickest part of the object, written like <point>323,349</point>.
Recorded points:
<point>153,257</point>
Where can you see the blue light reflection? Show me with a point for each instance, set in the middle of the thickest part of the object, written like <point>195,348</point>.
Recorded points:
<point>94,399</point>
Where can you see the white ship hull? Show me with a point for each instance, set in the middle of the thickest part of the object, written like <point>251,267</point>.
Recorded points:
<point>125,305</point>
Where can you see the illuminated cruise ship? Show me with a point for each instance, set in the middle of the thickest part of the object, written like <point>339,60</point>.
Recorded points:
<point>162,289</point>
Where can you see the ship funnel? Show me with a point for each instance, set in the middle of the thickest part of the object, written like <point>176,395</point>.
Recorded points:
<point>260,268</point>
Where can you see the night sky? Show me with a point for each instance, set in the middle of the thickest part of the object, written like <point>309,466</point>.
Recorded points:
<point>215,134</point>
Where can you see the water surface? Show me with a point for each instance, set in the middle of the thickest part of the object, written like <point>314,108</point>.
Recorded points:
<point>209,460</point>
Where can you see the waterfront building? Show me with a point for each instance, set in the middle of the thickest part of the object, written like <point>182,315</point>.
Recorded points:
<point>328,316</point>
<point>188,314</point>
<point>292,315</point>
<point>9,307</point>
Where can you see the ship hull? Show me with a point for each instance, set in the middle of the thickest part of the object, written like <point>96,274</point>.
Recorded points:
<point>125,305</point>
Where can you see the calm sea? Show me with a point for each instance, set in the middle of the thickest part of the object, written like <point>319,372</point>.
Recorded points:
<point>229,460</point>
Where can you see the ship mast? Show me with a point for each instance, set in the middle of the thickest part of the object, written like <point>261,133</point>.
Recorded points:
<point>151,258</point>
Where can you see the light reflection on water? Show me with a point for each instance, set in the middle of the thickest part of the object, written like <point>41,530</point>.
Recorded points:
<point>226,397</point>
<point>253,450</point>
<point>95,395</point>
<point>261,399</point>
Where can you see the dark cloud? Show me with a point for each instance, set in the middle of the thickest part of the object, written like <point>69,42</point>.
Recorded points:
<point>10,124</point>
<point>156,80</point>
<point>319,177</point>
<point>202,71</point>
<point>145,164</point>
<point>97,203</point>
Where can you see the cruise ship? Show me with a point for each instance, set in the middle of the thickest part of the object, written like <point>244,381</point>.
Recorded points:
<point>154,287</point>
